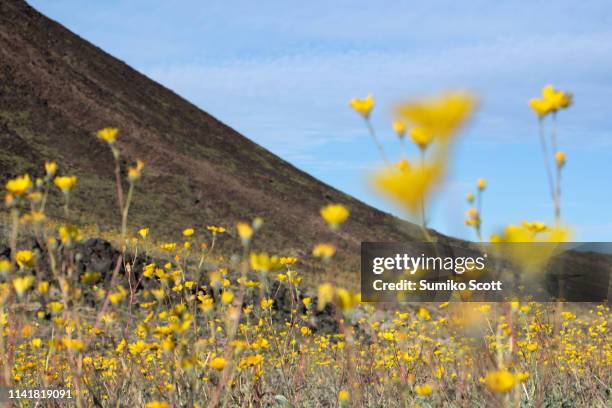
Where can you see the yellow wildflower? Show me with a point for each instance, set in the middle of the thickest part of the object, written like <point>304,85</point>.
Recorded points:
<point>288,260</point>
<point>43,287</point>
<point>556,98</point>
<point>218,363</point>
<point>168,246</point>
<point>50,168</point>
<point>108,134</point>
<point>500,381</point>
<point>440,116</point>
<point>423,390</point>
<point>266,303</point>
<point>245,232</point>
<point>409,188</point>
<point>65,183</point>
<point>560,158</point>
<point>143,232</point>
<point>399,128</point>
<point>264,262</point>
<point>157,404</point>
<point>19,185</point>
<point>137,347</point>
<point>345,299</point>
<point>325,295</point>
<point>55,307</point>
<point>120,346</point>
<point>362,106</point>
<point>325,251</point>
<point>343,396</point>
<point>472,213</point>
<point>22,284</point>
<point>421,137</point>
<point>227,297</point>
<point>540,106</point>
<point>73,344</point>
<point>24,258</point>
<point>481,184</point>
<point>423,313</point>
<point>69,233</point>
<point>334,214</point>
<point>135,172</point>
<point>215,229</point>
<point>188,232</point>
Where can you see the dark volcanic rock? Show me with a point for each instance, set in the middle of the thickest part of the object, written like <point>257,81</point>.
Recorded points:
<point>96,255</point>
<point>5,252</point>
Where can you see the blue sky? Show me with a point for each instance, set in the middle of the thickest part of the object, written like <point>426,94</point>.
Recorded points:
<point>281,73</point>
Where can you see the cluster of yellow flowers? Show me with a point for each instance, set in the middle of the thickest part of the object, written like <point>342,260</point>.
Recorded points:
<point>552,100</point>
<point>432,122</point>
<point>246,330</point>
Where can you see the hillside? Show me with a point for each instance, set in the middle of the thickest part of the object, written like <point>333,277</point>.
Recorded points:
<point>56,90</point>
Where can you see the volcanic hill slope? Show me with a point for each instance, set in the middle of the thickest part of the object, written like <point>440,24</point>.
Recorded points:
<point>56,90</point>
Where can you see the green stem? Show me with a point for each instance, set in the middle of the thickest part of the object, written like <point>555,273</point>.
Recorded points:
<point>423,215</point>
<point>124,215</point>
<point>557,190</point>
<point>547,162</point>
<point>377,142</point>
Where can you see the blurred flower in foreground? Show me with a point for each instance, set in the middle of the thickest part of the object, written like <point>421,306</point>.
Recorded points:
<point>362,106</point>
<point>342,298</point>
<point>500,381</point>
<point>408,187</point>
<point>440,116</point>
<point>531,257</point>
<point>532,232</point>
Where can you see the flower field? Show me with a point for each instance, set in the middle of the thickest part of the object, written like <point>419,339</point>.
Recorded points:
<point>173,323</point>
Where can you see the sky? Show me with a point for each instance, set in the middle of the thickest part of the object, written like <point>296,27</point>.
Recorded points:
<point>282,72</point>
